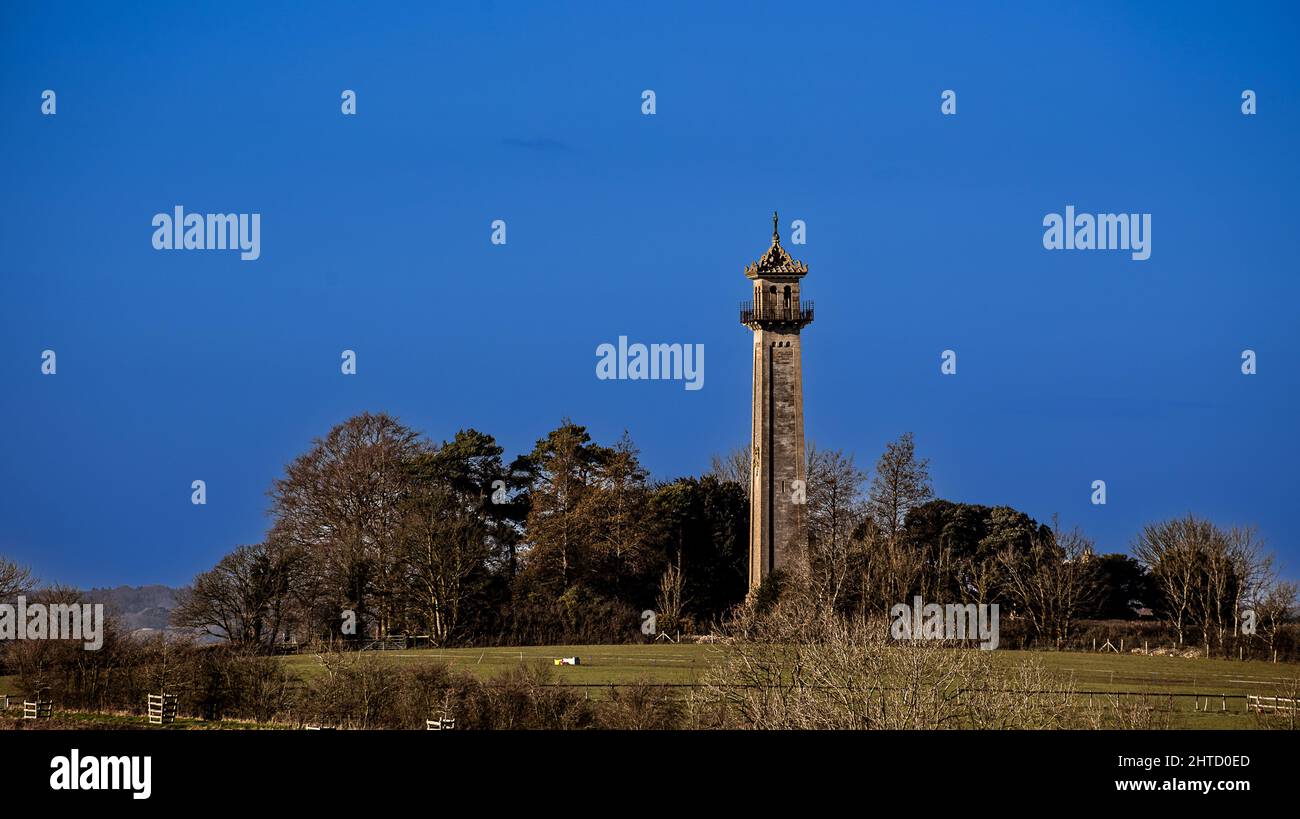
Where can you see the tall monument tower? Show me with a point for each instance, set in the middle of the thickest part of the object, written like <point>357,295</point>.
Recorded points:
<point>777,531</point>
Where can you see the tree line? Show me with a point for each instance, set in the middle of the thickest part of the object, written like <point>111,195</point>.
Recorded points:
<point>378,531</point>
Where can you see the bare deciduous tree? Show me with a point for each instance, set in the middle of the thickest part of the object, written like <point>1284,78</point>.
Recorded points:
<point>1273,609</point>
<point>1207,574</point>
<point>669,600</point>
<point>901,483</point>
<point>1252,568</point>
<point>835,512</point>
<point>1052,582</point>
<point>14,579</point>
<point>1173,552</point>
<point>243,599</point>
<point>888,571</point>
<point>799,668</point>
<point>444,549</point>
<point>341,503</point>
<point>736,466</point>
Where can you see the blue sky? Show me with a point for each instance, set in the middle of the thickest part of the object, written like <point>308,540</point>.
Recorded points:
<point>924,234</point>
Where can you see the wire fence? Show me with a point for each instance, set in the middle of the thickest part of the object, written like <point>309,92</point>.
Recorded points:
<point>1202,701</point>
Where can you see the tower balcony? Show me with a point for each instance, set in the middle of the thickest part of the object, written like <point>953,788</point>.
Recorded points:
<point>775,313</point>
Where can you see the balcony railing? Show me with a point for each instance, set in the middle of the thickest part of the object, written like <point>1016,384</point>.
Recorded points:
<point>776,311</point>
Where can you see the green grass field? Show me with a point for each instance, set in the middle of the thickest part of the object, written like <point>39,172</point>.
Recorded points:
<point>605,665</point>
<point>601,664</point>
<point>664,663</point>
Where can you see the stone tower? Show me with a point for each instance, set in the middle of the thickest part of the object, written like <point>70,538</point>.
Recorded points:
<point>777,531</point>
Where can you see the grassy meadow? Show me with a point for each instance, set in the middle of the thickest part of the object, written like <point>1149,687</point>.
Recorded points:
<point>681,664</point>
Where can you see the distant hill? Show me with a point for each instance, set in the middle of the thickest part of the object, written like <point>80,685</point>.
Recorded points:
<point>139,607</point>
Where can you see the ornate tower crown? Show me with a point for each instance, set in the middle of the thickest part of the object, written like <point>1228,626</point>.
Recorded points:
<point>776,262</point>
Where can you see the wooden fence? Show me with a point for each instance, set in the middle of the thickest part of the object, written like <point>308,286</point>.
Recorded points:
<point>162,709</point>
<point>1271,704</point>
<point>38,709</point>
